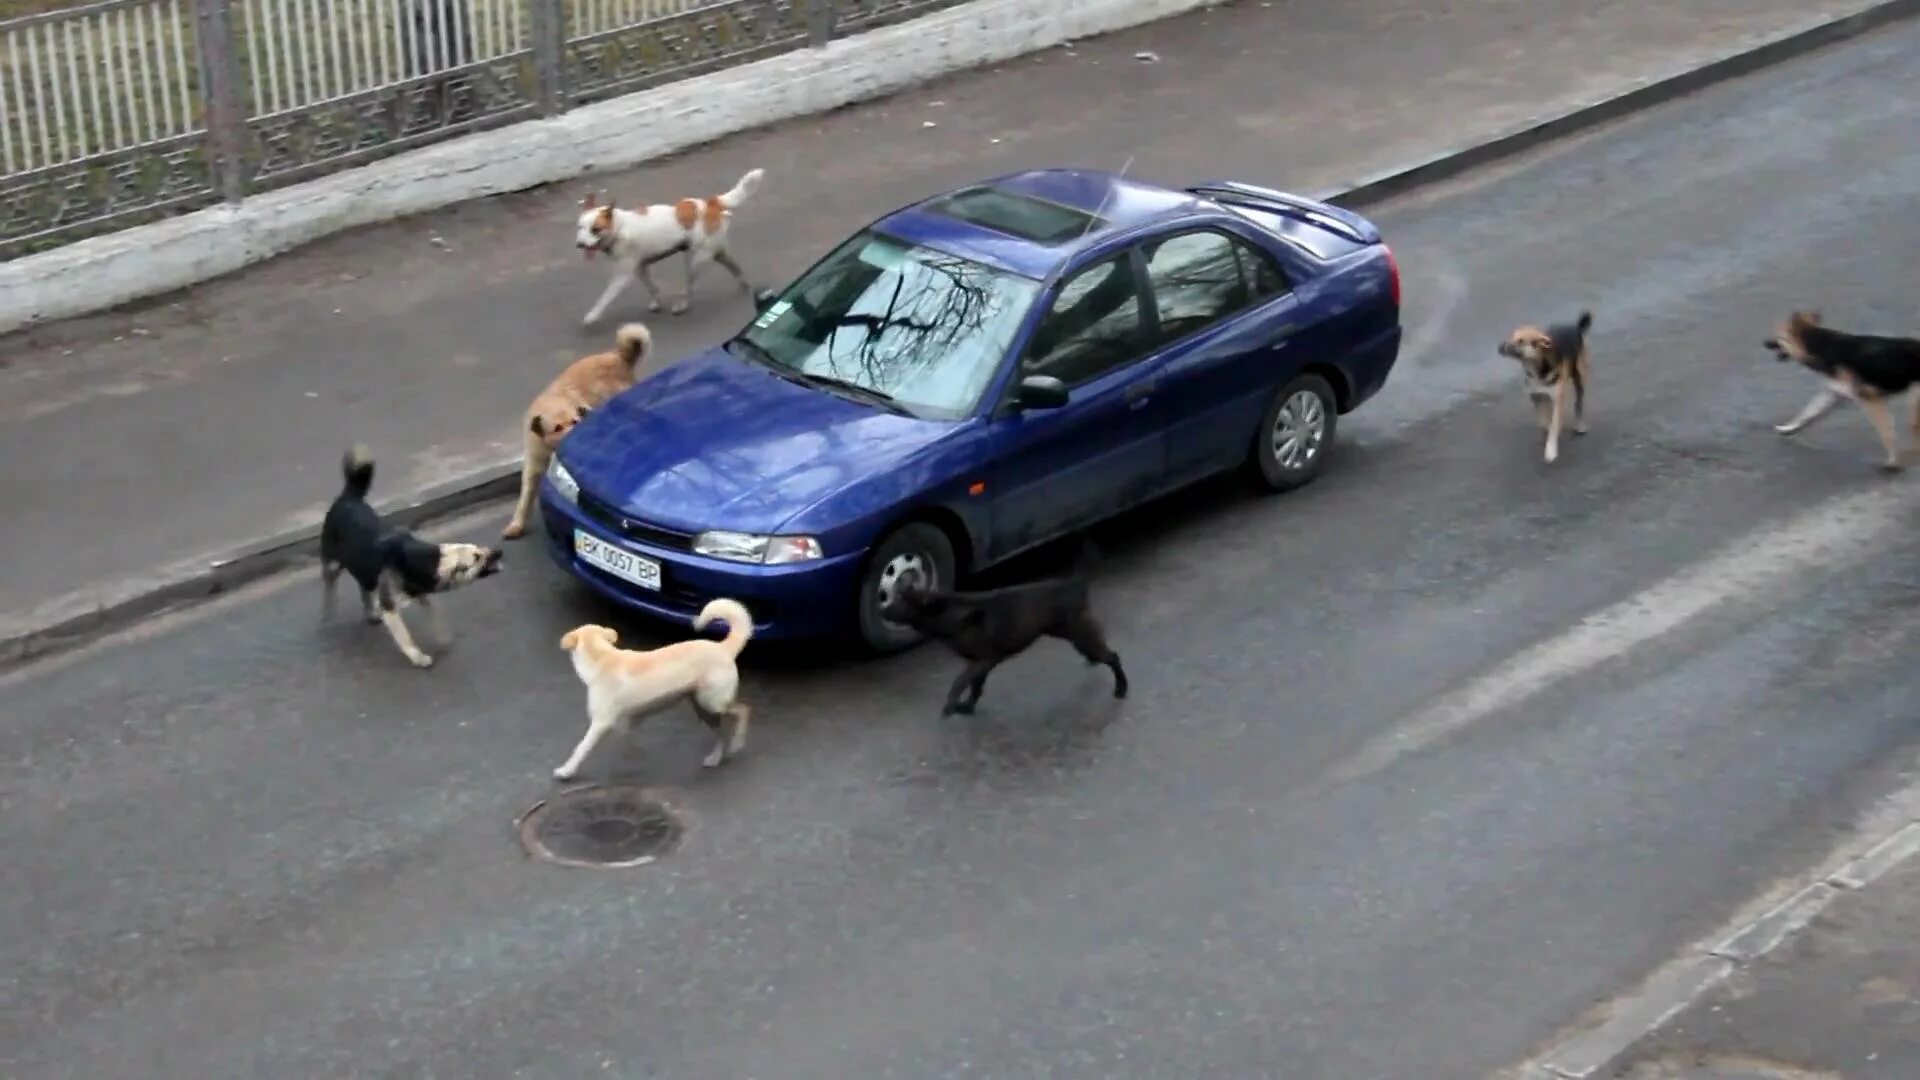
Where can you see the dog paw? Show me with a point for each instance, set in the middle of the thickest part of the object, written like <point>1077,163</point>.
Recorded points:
<point>563,773</point>
<point>679,307</point>
<point>590,318</point>
<point>421,660</point>
<point>1891,466</point>
<point>714,758</point>
<point>513,532</point>
<point>1786,429</point>
<point>1552,454</point>
<point>958,708</point>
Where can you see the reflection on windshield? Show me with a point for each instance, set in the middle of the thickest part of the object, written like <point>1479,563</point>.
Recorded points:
<point>924,328</point>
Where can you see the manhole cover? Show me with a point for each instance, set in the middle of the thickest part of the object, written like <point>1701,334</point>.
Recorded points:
<point>600,826</point>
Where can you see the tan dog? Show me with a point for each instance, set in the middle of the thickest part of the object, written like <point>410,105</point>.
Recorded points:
<point>585,385</point>
<point>1553,362</point>
<point>625,685</point>
<point>636,239</point>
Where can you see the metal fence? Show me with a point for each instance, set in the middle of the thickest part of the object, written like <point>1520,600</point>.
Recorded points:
<point>124,111</point>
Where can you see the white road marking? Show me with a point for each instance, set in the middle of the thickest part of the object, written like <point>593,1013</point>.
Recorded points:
<point>1829,532</point>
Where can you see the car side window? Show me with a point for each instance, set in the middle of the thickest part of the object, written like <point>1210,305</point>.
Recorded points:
<point>1264,280</point>
<point>1094,325</point>
<point>1196,281</point>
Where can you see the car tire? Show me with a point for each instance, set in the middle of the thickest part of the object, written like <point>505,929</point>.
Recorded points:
<point>916,543</point>
<point>1296,432</point>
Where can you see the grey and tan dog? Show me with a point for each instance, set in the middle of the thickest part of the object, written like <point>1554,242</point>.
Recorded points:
<point>1555,364</point>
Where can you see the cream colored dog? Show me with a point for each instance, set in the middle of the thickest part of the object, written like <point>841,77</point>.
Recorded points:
<point>625,685</point>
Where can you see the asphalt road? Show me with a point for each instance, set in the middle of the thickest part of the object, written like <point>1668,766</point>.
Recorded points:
<point>1419,762</point>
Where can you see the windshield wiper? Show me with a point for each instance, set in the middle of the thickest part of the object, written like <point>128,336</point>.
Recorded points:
<point>847,386</point>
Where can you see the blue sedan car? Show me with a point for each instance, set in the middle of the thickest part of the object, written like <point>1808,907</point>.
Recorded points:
<point>969,377</point>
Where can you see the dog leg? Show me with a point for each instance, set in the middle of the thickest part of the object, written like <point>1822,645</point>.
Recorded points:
<point>1883,426</point>
<point>440,632</point>
<point>975,672</point>
<point>695,260</point>
<point>1816,408</point>
<point>1553,425</point>
<point>1579,405</point>
<point>397,629</point>
<point>725,259</point>
<point>367,609</point>
<point>1090,641</point>
<point>1543,411</point>
<point>645,273</point>
<point>1913,419</point>
<point>739,713</point>
<point>330,577</point>
<point>531,467</point>
<point>597,728</point>
<point>614,288</point>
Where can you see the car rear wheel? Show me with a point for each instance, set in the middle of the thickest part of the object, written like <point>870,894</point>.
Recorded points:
<point>1295,435</point>
<point>915,546</point>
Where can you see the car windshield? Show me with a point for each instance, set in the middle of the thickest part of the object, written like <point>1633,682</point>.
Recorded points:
<point>906,326</point>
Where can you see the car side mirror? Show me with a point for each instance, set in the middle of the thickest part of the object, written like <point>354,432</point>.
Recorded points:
<point>763,299</point>
<point>1040,392</point>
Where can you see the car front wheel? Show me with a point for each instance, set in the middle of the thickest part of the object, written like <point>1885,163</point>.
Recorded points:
<point>1295,434</point>
<point>914,547</point>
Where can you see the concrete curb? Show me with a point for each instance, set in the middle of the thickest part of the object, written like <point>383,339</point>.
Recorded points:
<point>74,620</point>
<point>150,260</point>
<point>1596,1050</point>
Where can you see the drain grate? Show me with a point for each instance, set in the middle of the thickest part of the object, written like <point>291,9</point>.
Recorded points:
<point>607,827</point>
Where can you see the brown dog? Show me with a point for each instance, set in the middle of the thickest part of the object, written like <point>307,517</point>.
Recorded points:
<point>1553,362</point>
<point>582,387</point>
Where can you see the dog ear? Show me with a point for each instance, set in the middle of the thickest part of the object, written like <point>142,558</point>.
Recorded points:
<point>569,639</point>
<point>1813,317</point>
<point>588,202</point>
<point>538,427</point>
<point>1585,323</point>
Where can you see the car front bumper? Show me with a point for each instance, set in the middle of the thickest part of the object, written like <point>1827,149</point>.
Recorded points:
<point>788,602</point>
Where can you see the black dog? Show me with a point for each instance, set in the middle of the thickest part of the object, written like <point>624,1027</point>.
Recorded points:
<point>986,628</point>
<point>393,568</point>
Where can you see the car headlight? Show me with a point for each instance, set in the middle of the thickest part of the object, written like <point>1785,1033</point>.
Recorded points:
<point>562,481</point>
<point>752,548</point>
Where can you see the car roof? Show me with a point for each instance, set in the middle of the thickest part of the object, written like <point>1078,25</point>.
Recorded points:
<point>1031,223</point>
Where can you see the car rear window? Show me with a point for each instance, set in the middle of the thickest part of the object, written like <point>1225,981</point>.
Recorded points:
<point>1023,216</point>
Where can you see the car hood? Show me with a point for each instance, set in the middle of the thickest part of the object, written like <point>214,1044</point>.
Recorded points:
<point>715,442</point>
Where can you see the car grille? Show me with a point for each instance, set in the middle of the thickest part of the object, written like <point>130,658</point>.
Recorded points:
<point>637,531</point>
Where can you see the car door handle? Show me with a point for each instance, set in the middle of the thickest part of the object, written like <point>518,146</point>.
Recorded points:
<point>1138,393</point>
<point>1284,332</point>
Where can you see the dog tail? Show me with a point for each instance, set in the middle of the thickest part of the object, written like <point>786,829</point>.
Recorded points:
<point>632,343</point>
<point>743,190</point>
<point>357,468</point>
<point>739,622</point>
<point>1584,323</point>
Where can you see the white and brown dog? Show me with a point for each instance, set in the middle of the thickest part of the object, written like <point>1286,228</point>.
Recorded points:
<point>636,239</point>
<point>625,685</point>
<point>1554,363</point>
<point>583,386</point>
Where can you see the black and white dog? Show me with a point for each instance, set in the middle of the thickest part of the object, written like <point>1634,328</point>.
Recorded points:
<point>393,568</point>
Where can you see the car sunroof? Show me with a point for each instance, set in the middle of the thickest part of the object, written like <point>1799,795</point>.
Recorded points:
<point>1017,215</point>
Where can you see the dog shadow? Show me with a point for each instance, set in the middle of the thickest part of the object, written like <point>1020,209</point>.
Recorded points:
<point>1023,736</point>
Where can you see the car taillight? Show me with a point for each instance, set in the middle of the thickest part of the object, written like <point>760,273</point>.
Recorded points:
<point>1393,274</point>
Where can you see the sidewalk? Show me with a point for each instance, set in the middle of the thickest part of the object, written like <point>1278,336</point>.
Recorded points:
<point>171,434</point>
<point>1840,1001</point>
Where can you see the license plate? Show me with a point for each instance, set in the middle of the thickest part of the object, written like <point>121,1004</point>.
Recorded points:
<point>624,565</point>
